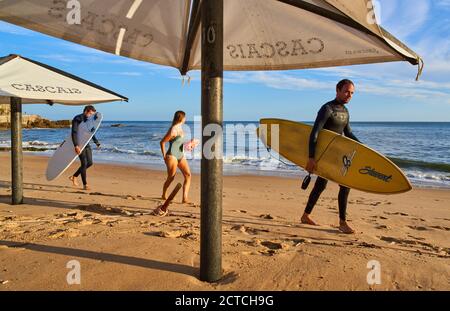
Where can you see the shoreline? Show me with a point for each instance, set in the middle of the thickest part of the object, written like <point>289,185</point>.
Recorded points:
<point>154,167</point>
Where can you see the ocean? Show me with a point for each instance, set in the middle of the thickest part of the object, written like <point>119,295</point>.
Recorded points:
<point>421,149</point>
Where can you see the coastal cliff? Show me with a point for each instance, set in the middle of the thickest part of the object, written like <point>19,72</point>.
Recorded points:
<point>30,121</point>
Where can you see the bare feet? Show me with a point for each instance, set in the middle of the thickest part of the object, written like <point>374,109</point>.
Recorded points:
<point>74,181</point>
<point>164,197</point>
<point>186,201</point>
<point>307,220</point>
<point>86,187</point>
<point>345,228</point>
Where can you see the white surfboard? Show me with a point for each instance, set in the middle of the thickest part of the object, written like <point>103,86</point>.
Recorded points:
<point>65,155</point>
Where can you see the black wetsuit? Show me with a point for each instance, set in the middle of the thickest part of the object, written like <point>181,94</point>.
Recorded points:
<point>86,155</point>
<point>332,116</point>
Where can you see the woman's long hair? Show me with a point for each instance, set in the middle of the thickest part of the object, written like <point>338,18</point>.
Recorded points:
<point>177,117</point>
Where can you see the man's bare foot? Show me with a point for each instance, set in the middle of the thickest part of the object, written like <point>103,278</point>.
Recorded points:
<point>74,181</point>
<point>164,197</point>
<point>86,187</point>
<point>186,201</point>
<point>345,228</point>
<point>307,220</point>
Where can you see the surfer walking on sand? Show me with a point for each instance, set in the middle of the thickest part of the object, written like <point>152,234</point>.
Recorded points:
<point>85,155</point>
<point>333,116</point>
<point>174,157</point>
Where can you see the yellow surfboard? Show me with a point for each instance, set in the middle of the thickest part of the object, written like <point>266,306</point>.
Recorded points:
<point>338,158</point>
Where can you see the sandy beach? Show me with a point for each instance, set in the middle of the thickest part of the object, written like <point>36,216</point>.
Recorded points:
<point>120,246</point>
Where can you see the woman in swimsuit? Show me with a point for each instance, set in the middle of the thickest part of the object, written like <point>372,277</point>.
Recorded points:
<point>174,157</point>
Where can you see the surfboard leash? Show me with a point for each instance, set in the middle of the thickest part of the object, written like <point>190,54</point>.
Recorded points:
<point>307,179</point>
<point>278,159</point>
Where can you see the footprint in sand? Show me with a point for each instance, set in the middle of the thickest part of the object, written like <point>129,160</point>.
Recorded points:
<point>382,227</point>
<point>240,228</point>
<point>419,219</point>
<point>298,242</point>
<point>419,228</point>
<point>416,238</point>
<point>272,248</point>
<point>105,209</point>
<point>441,228</point>
<point>266,216</point>
<point>393,240</point>
<point>62,233</point>
<point>368,245</point>
<point>185,234</point>
<point>252,243</point>
<point>273,245</point>
<point>248,230</point>
<point>440,251</point>
<point>240,211</point>
<point>379,217</point>
<point>396,213</point>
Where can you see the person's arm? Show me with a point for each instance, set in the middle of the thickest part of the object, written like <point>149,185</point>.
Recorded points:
<point>96,141</point>
<point>75,123</point>
<point>322,117</point>
<point>349,133</point>
<point>163,142</point>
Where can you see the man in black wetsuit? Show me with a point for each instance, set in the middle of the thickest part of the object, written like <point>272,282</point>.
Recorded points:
<point>332,116</point>
<point>86,155</point>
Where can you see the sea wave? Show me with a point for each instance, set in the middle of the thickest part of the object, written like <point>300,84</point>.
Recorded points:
<point>407,163</point>
<point>130,151</point>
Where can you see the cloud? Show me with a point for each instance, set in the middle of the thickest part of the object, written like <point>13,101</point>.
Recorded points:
<point>119,73</point>
<point>277,80</point>
<point>443,4</point>
<point>393,87</point>
<point>60,57</point>
<point>404,17</point>
<point>425,92</point>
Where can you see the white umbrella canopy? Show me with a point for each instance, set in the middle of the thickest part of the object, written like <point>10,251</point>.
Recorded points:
<point>258,34</point>
<point>37,83</point>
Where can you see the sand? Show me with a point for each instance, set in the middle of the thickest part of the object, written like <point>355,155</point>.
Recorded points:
<point>120,246</point>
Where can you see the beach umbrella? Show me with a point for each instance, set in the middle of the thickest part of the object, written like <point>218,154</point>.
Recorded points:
<point>217,35</point>
<point>258,34</point>
<point>23,80</point>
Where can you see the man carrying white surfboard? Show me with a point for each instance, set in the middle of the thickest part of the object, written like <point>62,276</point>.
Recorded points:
<point>85,155</point>
<point>332,116</point>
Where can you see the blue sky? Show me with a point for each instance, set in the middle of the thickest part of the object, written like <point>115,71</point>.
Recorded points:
<point>385,92</point>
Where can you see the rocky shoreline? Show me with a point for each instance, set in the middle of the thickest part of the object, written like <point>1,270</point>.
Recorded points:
<point>29,120</point>
<point>38,122</point>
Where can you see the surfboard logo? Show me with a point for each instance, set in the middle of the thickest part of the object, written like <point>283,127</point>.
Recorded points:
<point>347,161</point>
<point>372,172</point>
